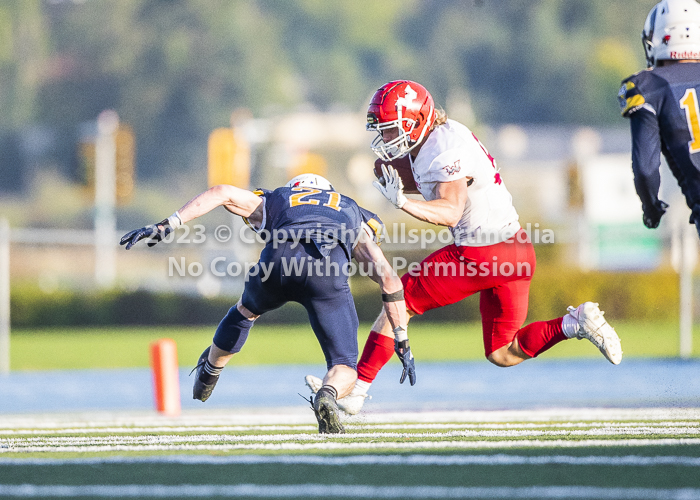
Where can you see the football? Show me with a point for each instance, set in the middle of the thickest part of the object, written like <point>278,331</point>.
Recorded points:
<point>403,167</point>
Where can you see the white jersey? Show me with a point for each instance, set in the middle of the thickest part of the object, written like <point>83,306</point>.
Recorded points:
<point>452,152</point>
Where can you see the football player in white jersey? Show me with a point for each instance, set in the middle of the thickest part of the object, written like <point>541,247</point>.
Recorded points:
<point>491,254</point>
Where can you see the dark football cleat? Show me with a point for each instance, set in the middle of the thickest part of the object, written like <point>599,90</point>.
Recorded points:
<point>202,390</point>
<point>327,414</point>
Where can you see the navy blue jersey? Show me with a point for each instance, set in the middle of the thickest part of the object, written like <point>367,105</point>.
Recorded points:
<point>326,218</point>
<point>662,104</point>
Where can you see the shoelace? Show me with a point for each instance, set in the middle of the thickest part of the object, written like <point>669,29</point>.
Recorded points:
<point>310,401</point>
<point>596,337</point>
<point>195,368</point>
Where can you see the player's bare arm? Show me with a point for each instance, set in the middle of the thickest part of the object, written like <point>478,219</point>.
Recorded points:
<point>236,200</point>
<point>368,252</point>
<point>380,271</point>
<point>447,209</point>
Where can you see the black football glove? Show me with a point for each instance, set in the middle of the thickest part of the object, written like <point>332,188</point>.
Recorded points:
<point>652,215</point>
<point>154,232</point>
<point>403,351</point>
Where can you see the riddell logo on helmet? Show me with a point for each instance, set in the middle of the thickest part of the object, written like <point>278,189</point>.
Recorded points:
<point>686,54</point>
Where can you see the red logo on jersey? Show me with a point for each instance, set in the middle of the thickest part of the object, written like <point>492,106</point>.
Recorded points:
<point>451,169</point>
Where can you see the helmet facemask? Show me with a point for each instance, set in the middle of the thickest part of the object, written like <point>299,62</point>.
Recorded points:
<point>405,106</point>
<point>398,147</point>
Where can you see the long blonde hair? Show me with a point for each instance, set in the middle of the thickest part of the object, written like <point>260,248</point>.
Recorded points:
<point>440,118</point>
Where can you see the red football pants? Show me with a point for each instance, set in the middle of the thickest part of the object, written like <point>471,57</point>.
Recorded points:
<point>501,272</point>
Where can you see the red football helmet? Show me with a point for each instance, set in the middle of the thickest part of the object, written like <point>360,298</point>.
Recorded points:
<point>403,104</point>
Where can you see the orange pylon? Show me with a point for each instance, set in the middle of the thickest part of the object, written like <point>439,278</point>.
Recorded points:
<point>166,379</point>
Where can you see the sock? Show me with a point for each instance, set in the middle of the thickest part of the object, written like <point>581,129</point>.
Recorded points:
<point>540,336</point>
<point>209,373</point>
<point>377,352</point>
<point>361,387</point>
<point>329,390</point>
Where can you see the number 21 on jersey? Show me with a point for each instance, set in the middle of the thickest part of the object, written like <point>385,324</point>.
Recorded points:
<point>689,103</point>
<point>303,198</point>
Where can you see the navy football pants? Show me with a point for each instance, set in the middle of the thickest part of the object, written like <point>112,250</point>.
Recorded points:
<point>325,296</point>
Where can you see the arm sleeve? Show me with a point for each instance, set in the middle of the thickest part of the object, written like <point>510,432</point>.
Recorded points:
<point>646,155</point>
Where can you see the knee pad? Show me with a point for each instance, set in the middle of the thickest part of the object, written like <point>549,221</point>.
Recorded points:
<point>232,331</point>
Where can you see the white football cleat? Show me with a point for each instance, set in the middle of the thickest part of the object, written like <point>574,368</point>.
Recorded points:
<point>313,383</point>
<point>592,326</point>
<point>350,404</point>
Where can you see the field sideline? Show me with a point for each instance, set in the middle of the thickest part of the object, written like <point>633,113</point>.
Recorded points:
<point>555,453</point>
<point>127,347</point>
<point>275,452</point>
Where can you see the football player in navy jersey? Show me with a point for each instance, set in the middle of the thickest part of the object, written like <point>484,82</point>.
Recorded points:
<point>662,105</point>
<point>312,232</point>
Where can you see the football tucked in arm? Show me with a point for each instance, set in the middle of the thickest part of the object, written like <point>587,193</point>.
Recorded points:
<point>403,167</point>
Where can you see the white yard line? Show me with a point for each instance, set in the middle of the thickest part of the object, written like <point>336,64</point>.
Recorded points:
<point>195,428</point>
<point>432,445</point>
<point>264,428</point>
<point>344,491</point>
<point>303,416</point>
<point>166,439</point>
<point>369,460</point>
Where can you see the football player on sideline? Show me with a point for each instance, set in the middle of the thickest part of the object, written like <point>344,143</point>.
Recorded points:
<point>464,191</point>
<point>316,233</point>
<point>662,105</point>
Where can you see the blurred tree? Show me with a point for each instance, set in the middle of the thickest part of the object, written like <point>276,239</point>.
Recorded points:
<point>23,49</point>
<point>174,69</point>
<point>533,61</point>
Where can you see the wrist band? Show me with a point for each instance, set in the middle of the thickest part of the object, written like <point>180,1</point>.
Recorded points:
<point>175,220</point>
<point>392,297</point>
<point>400,334</point>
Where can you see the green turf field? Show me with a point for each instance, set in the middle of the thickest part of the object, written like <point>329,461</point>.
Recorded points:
<point>588,454</point>
<point>73,348</point>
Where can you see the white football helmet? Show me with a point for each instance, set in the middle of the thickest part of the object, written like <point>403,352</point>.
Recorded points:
<point>310,180</point>
<point>672,31</point>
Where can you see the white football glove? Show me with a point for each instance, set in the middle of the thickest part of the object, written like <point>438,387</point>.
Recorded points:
<point>392,189</point>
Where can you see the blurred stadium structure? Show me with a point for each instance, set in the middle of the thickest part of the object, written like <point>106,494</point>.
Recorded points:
<point>574,181</point>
